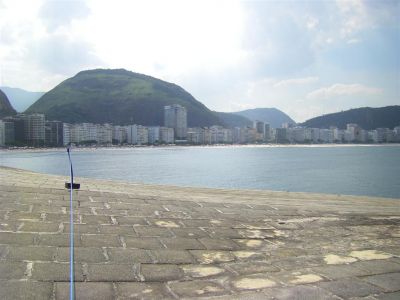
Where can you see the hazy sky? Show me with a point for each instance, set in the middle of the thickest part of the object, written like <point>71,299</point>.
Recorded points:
<point>303,57</point>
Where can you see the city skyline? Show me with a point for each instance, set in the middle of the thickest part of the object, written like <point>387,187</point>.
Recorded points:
<point>306,58</point>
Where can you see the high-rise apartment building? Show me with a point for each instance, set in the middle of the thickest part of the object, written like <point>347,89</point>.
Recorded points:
<point>34,127</point>
<point>54,133</point>
<point>175,116</point>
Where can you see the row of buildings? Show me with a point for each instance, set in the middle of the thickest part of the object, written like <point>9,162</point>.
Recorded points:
<point>34,130</point>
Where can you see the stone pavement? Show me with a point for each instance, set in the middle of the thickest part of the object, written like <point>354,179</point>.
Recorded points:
<point>161,242</point>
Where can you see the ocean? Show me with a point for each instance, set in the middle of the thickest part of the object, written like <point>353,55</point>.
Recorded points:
<point>352,170</point>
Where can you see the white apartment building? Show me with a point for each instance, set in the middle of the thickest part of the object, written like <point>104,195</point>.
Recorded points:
<point>137,135</point>
<point>104,134</point>
<point>195,135</point>
<point>267,132</point>
<point>167,135</point>
<point>154,134</point>
<point>326,135</point>
<point>298,134</point>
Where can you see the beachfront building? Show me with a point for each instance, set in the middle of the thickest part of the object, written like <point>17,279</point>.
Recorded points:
<point>119,135</point>
<point>167,135</point>
<point>54,133</point>
<point>281,135</point>
<point>137,135</point>
<point>34,127</point>
<point>326,135</point>
<point>2,134</point>
<point>175,116</point>
<point>267,132</point>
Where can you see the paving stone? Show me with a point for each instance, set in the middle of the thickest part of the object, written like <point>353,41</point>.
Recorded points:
<point>81,228</point>
<point>100,240</point>
<point>389,296</point>
<point>147,231</point>
<point>160,273</point>
<point>112,272</point>
<point>118,230</point>
<point>172,256</point>
<point>212,257</point>
<point>379,266</point>
<point>140,290</point>
<point>24,216</point>
<point>253,282</point>
<point>301,293</point>
<point>250,244</point>
<point>218,244</point>
<point>340,271</point>
<point>118,255</point>
<point>182,244</point>
<point>65,218</point>
<point>143,243</point>
<point>55,271</point>
<point>39,227</point>
<point>7,225</point>
<point>224,233</point>
<point>93,220</point>
<point>297,277</point>
<point>31,253</point>
<point>12,270</point>
<point>389,282</point>
<point>189,232</point>
<point>202,271</point>
<point>244,268</point>
<point>13,238</point>
<point>349,287</point>
<point>204,223</point>
<point>85,290</point>
<point>296,262</point>
<point>59,240</point>
<point>243,296</point>
<point>23,290</point>
<point>197,288</point>
<point>87,255</point>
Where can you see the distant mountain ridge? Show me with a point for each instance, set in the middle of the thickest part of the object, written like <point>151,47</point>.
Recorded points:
<point>21,99</point>
<point>367,117</point>
<point>232,120</point>
<point>6,108</point>
<point>120,97</point>
<point>273,116</point>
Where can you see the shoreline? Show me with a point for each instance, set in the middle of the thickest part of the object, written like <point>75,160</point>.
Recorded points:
<point>135,147</point>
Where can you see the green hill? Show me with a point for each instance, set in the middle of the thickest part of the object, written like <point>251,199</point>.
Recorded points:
<point>366,117</point>
<point>120,97</point>
<point>5,107</point>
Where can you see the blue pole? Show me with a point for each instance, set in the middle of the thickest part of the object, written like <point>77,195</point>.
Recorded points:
<point>71,234</point>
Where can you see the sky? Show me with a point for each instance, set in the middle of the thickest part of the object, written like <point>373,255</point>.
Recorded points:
<point>305,58</point>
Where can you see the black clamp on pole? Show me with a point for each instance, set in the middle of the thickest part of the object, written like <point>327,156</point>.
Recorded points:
<point>75,186</point>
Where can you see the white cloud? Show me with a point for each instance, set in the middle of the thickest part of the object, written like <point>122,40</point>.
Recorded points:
<point>296,81</point>
<point>312,23</point>
<point>340,89</point>
<point>61,12</point>
<point>353,41</point>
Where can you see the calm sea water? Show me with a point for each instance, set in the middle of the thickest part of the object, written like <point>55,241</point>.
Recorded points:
<point>355,170</point>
